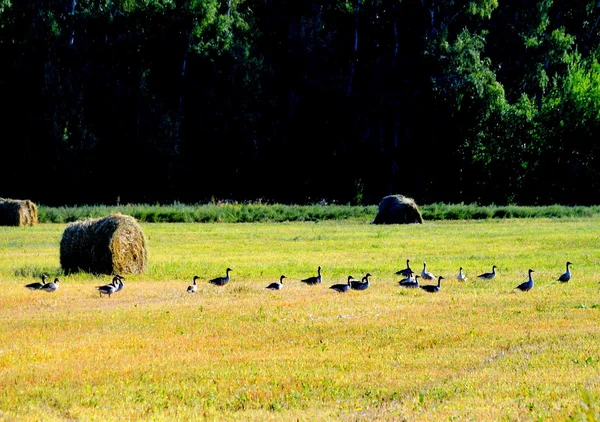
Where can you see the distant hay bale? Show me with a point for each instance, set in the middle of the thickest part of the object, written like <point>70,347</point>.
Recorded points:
<point>398,209</point>
<point>16,212</point>
<point>109,245</point>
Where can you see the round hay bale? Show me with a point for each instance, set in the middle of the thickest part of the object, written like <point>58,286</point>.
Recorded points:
<point>398,209</point>
<point>109,245</point>
<point>17,212</point>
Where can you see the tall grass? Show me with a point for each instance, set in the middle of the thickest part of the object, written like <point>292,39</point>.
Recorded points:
<point>477,350</point>
<point>256,212</point>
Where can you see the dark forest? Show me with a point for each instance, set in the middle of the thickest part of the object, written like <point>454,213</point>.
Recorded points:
<point>155,101</point>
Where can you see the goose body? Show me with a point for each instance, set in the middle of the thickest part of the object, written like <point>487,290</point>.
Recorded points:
<point>567,275</point>
<point>407,271</point>
<point>193,288</point>
<point>342,287</point>
<point>276,285</point>
<point>361,285</point>
<point>110,288</point>
<point>221,281</point>
<point>426,275</point>
<point>488,276</point>
<point>37,286</point>
<point>51,287</point>
<point>528,285</point>
<point>431,288</point>
<point>315,279</point>
<point>461,276</point>
<point>410,282</point>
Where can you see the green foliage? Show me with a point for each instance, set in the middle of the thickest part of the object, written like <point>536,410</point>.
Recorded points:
<point>253,213</point>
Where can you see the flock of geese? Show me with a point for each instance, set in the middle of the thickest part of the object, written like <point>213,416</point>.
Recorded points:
<point>410,280</point>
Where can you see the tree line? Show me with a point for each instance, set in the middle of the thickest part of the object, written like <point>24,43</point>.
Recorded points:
<point>346,101</point>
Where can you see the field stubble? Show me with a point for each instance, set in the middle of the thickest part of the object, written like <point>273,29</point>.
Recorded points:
<point>477,350</point>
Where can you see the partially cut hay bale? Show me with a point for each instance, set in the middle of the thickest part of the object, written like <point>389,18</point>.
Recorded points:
<point>17,212</point>
<point>398,209</point>
<point>107,245</point>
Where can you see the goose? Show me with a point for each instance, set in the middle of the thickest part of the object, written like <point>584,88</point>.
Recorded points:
<point>342,287</point>
<point>108,289</point>
<point>567,275</point>
<point>360,285</point>
<point>528,285</point>
<point>410,282</point>
<point>431,288</point>
<point>405,272</point>
<point>410,277</point>
<point>461,276</point>
<point>488,276</point>
<point>221,281</point>
<point>51,287</point>
<point>276,285</point>
<point>37,286</point>
<point>315,279</point>
<point>120,284</point>
<point>193,288</point>
<point>426,274</point>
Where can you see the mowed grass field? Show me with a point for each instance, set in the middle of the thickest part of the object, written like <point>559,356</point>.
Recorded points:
<point>477,350</point>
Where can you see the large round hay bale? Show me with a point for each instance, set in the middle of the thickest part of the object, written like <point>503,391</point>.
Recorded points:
<point>398,209</point>
<point>109,245</point>
<point>17,212</point>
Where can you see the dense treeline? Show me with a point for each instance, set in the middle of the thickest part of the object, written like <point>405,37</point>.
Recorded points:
<point>160,100</point>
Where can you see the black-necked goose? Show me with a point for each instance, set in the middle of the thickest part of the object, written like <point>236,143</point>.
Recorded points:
<point>461,276</point>
<point>119,280</point>
<point>361,285</point>
<point>426,275</point>
<point>110,288</point>
<point>410,282</point>
<point>567,275</point>
<point>221,281</point>
<point>342,287</point>
<point>51,287</point>
<point>431,288</point>
<point>488,276</point>
<point>528,285</point>
<point>276,285</point>
<point>193,288</point>
<point>315,279</point>
<point>37,286</point>
<point>407,271</point>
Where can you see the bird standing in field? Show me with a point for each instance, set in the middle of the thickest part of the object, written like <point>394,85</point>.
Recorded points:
<point>410,282</point>
<point>461,276</point>
<point>221,281</point>
<point>426,275</point>
<point>110,288</point>
<point>342,287</point>
<point>38,285</point>
<point>528,285</point>
<point>360,285</point>
<point>407,271</point>
<point>193,288</point>
<point>488,276</point>
<point>567,275</point>
<point>431,288</point>
<point>276,285</point>
<point>315,279</point>
<point>51,287</point>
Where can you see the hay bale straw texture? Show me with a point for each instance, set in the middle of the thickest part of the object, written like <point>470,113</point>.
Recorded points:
<point>398,209</point>
<point>17,212</point>
<point>110,245</point>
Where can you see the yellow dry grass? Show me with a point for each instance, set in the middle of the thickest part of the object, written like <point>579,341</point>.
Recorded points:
<point>475,351</point>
